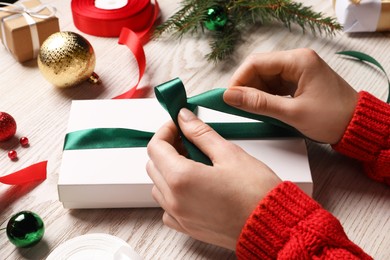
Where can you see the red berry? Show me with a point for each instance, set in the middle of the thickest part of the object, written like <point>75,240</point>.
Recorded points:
<point>7,126</point>
<point>24,141</point>
<point>12,154</point>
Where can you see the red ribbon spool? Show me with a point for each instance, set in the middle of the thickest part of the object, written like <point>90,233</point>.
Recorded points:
<point>136,15</point>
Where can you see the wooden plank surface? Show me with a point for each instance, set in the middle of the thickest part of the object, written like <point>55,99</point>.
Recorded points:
<point>41,112</point>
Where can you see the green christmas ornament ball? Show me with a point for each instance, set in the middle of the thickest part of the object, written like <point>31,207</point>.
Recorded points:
<point>216,18</point>
<point>25,229</point>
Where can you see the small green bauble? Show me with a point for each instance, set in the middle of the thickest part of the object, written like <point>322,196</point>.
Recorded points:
<point>216,18</point>
<point>25,229</point>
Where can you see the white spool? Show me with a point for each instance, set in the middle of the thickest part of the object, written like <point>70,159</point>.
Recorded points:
<point>110,4</point>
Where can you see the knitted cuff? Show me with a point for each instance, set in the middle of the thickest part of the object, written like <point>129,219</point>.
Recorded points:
<point>368,132</point>
<point>268,228</point>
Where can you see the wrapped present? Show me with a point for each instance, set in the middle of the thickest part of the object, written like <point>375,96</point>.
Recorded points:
<point>363,15</point>
<point>25,26</point>
<point>104,157</point>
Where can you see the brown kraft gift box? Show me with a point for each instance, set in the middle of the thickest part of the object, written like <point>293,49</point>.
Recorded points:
<point>21,33</point>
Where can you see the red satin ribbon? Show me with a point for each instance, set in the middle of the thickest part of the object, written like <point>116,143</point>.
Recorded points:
<point>131,40</point>
<point>132,23</point>
<point>34,172</point>
<point>136,15</point>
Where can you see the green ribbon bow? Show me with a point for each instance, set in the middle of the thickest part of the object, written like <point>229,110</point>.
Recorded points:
<point>172,97</point>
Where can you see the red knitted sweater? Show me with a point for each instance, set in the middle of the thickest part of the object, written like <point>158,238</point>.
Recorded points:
<point>288,224</point>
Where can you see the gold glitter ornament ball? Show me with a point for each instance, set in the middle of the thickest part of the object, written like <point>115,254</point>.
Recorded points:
<point>66,59</point>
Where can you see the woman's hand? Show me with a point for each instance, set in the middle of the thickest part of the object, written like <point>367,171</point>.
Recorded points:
<point>320,103</point>
<point>209,203</point>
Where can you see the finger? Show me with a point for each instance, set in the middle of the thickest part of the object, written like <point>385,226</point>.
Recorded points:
<point>165,160</point>
<point>158,197</point>
<point>259,102</point>
<point>168,133</point>
<point>161,149</point>
<point>286,65</point>
<point>157,178</point>
<point>168,164</point>
<point>172,222</point>
<point>202,135</point>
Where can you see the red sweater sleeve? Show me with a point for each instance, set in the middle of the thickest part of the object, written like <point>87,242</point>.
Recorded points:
<point>288,224</point>
<point>367,137</point>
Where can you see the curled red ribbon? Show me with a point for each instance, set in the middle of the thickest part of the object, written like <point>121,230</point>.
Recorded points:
<point>131,40</point>
<point>34,172</point>
<point>131,23</point>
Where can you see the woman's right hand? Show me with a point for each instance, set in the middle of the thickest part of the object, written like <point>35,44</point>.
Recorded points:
<point>298,88</point>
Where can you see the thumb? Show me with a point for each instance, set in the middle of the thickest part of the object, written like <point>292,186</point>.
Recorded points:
<point>201,135</point>
<point>258,102</point>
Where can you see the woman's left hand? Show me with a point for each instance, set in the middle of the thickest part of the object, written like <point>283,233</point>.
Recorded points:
<point>209,203</point>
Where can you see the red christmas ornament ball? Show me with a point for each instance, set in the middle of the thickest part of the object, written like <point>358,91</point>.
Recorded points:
<point>7,126</point>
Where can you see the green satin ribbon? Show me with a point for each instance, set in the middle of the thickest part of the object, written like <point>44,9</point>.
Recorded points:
<point>172,97</point>
<point>97,138</point>
<point>364,57</point>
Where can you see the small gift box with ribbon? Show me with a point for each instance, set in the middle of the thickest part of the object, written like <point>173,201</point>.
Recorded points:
<point>104,157</point>
<point>363,15</point>
<point>24,26</point>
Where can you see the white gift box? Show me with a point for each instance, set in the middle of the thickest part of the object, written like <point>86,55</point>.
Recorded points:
<point>116,177</point>
<point>363,15</point>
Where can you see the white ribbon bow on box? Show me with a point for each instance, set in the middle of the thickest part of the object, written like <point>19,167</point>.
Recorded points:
<point>16,10</point>
<point>358,16</point>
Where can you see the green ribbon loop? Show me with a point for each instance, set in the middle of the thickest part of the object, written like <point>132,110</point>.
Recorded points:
<point>172,96</point>
<point>364,57</point>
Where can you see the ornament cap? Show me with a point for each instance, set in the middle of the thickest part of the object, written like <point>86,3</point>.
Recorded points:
<point>94,78</point>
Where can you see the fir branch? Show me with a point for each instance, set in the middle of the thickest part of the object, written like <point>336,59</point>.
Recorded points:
<point>223,43</point>
<point>242,14</point>
<point>289,12</point>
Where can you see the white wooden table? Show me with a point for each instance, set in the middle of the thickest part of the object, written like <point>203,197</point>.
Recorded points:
<point>41,112</point>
